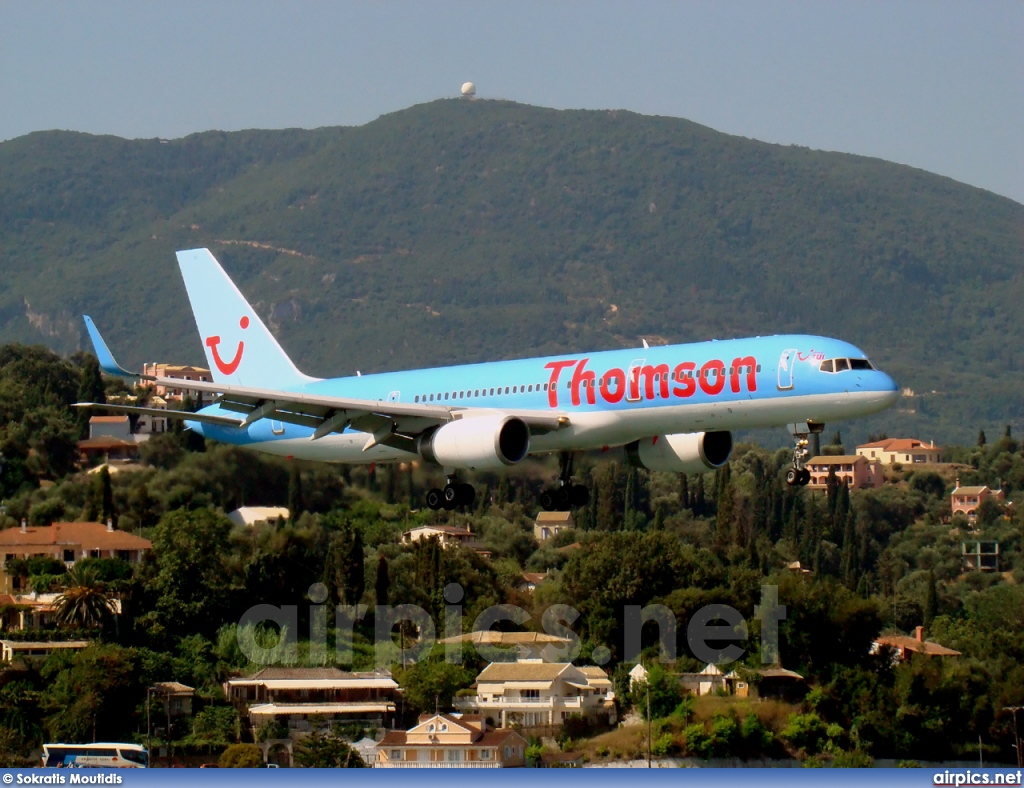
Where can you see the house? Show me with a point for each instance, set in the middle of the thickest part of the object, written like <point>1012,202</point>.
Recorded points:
<point>777,682</point>
<point>530,581</point>
<point>451,741</point>
<point>110,427</point>
<point>710,680</point>
<point>852,470</point>
<point>902,450</point>
<point>549,524</point>
<point>290,696</point>
<point>518,645</point>
<point>253,515</point>
<point>448,536</point>
<point>28,649</point>
<point>177,698</point>
<point>149,423</point>
<point>983,556</point>
<point>107,448</point>
<point>904,647</point>
<point>637,675</point>
<point>68,542</point>
<point>180,372</point>
<point>532,693</point>
<point>967,500</point>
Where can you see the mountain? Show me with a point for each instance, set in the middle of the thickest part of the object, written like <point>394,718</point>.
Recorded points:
<point>458,231</point>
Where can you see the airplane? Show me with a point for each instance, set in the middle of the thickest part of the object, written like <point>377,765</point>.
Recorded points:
<point>672,408</point>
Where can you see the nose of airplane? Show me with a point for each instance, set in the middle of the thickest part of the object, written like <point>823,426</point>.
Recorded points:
<point>887,386</point>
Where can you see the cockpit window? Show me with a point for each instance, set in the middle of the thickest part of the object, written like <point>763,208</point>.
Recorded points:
<point>844,364</point>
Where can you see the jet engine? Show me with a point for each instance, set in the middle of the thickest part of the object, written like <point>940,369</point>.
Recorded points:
<point>684,452</point>
<point>481,443</point>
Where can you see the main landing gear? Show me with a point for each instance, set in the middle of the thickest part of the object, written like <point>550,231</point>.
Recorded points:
<point>564,495</point>
<point>453,495</point>
<point>798,475</point>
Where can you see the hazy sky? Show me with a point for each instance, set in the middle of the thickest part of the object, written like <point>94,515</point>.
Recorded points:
<point>936,85</point>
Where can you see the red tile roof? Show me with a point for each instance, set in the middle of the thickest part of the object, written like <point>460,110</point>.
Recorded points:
<point>91,536</point>
<point>899,444</point>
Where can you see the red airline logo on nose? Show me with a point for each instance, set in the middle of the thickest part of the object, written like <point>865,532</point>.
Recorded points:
<point>227,367</point>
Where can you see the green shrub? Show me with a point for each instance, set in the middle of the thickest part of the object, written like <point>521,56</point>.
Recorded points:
<point>241,756</point>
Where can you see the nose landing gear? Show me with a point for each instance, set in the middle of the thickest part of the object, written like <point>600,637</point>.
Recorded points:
<point>798,475</point>
<point>564,495</point>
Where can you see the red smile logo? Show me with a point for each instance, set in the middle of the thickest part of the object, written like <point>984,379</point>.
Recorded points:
<point>227,367</point>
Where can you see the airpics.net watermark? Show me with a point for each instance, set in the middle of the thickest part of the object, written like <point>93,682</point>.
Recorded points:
<point>957,777</point>
<point>406,633</point>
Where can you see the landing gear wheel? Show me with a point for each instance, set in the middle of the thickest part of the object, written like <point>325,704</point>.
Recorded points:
<point>547,500</point>
<point>435,499</point>
<point>805,477</point>
<point>580,495</point>
<point>792,477</point>
<point>562,498</point>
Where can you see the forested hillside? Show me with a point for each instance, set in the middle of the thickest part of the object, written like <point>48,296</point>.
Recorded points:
<point>459,231</point>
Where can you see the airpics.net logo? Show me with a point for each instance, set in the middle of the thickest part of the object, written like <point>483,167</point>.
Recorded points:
<point>969,777</point>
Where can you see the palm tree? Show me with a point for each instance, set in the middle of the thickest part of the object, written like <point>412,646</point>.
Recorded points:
<point>84,603</point>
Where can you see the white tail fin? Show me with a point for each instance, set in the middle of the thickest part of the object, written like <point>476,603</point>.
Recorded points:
<point>238,346</point>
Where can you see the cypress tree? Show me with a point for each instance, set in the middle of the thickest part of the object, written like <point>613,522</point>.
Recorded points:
<point>90,389</point>
<point>684,492</point>
<point>296,496</point>
<point>699,501</point>
<point>931,601</point>
<point>381,581</point>
<point>355,577</point>
<point>107,494</point>
<point>981,437</point>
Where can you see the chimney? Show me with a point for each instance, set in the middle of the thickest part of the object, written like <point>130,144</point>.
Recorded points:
<point>919,634</point>
<point>110,524</point>
<point>24,525</point>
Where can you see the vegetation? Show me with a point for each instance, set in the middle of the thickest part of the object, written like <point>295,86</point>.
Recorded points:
<point>883,560</point>
<point>463,231</point>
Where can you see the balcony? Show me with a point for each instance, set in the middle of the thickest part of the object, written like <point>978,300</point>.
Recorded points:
<point>437,765</point>
<point>512,702</point>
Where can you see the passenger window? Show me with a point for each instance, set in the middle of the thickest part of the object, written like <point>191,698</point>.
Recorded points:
<point>529,388</point>
<point>506,389</point>
<point>842,364</point>
<point>514,389</point>
<point>417,398</point>
<point>826,366</point>
<point>545,386</point>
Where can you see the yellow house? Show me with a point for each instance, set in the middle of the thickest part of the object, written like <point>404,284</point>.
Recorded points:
<point>451,741</point>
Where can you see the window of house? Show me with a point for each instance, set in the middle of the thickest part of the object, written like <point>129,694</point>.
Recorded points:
<point>94,553</point>
<point>396,755</point>
<point>444,727</point>
<point>485,755</point>
<point>454,755</point>
<point>530,693</point>
<point>430,728</point>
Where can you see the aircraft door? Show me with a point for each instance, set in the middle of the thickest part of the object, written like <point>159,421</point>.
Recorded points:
<point>633,390</point>
<point>786,362</point>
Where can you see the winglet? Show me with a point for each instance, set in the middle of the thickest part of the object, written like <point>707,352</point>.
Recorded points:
<point>103,354</point>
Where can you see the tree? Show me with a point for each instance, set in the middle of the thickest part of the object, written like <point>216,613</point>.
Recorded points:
<point>380,584</point>
<point>241,756</point>
<point>296,498</point>
<point>981,438</point>
<point>327,751</point>
<point>665,694</point>
<point>84,603</point>
<point>90,389</point>
<point>431,684</point>
<point>344,570</point>
<point>191,583</point>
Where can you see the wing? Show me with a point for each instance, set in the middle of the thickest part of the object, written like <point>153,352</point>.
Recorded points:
<point>391,423</point>
<point>184,415</point>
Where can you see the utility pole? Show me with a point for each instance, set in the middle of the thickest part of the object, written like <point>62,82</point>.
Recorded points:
<point>1016,738</point>
<point>648,721</point>
<point>149,724</point>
